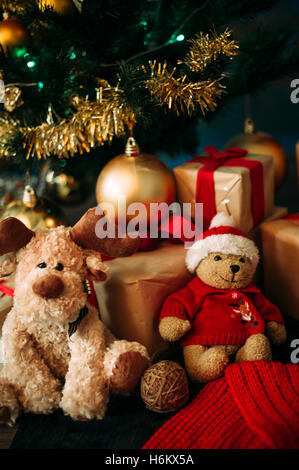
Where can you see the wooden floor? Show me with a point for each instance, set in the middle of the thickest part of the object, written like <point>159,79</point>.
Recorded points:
<point>6,436</point>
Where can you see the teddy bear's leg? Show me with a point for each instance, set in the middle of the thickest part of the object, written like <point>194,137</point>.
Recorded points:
<point>205,364</point>
<point>124,363</point>
<point>86,392</point>
<point>37,390</point>
<point>9,406</point>
<point>256,348</point>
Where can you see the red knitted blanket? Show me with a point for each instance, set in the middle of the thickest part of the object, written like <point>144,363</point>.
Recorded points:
<point>255,406</point>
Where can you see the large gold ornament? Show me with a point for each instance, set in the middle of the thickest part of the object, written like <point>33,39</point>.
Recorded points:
<point>261,143</point>
<point>12,33</point>
<point>34,212</point>
<point>137,177</point>
<point>63,185</point>
<point>62,7</point>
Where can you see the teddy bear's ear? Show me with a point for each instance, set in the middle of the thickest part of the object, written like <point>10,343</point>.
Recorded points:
<point>84,234</point>
<point>14,235</point>
<point>98,271</point>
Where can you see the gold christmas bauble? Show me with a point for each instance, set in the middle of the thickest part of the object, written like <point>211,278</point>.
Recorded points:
<point>12,33</point>
<point>34,212</point>
<point>62,7</point>
<point>63,185</point>
<point>137,177</point>
<point>260,143</point>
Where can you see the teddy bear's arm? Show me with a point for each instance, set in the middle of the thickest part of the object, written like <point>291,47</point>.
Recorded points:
<point>268,310</point>
<point>38,390</point>
<point>272,316</point>
<point>85,393</point>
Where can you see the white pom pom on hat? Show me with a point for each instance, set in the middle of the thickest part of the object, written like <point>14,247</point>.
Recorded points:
<point>222,219</point>
<point>223,236</point>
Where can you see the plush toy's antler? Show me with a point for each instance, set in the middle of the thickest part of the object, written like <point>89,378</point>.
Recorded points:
<point>84,234</point>
<point>13,235</point>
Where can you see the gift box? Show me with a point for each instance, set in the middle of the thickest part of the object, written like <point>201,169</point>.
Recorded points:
<point>256,235</point>
<point>233,182</point>
<point>280,240</point>
<point>130,300</point>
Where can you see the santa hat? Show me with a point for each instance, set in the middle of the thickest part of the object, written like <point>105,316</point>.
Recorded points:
<point>222,237</point>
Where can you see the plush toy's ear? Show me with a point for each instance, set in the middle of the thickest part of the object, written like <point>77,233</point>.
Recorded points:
<point>13,235</point>
<point>84,234</point>
<point>97,270</point>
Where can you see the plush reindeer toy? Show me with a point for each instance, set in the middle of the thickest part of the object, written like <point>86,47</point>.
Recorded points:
<point>57,352</point>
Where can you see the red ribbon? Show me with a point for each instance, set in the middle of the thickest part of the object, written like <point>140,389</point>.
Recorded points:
<point>233,157</point>
<point>6,290</point>
<point>291,217</point>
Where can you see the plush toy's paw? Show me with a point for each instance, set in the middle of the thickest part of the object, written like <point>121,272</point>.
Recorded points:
<point>4,415</point>
<point>85,409</point>
<point>127,371</point>
<point>9,406</point>
<point>205,364</point>
<point>173,328</point>
<point>276,332</point>
<point>256,348</point>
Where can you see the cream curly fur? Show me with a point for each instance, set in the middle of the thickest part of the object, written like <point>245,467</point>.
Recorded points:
<point>44,368</point>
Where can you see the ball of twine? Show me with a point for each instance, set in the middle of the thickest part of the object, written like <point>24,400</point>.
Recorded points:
<point>164,387</point>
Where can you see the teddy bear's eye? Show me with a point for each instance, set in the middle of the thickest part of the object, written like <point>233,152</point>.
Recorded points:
<point>242,260</point>
<point>42,265</point>
<point>59,267</point>
<point>217,258</point>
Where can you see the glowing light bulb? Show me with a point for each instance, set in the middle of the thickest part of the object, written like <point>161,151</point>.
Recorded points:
<point>180,37</point>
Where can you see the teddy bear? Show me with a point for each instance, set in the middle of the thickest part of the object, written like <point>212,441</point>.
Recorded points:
<point>221,314</point>
<point>57,352</point>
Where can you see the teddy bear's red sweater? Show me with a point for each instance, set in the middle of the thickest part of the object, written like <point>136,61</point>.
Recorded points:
<point>220,316</point>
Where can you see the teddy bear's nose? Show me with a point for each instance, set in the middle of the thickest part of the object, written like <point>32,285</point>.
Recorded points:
<point>48,286</point>
<point>235,268</point>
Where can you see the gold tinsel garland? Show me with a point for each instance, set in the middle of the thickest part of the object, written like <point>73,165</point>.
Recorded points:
<point>97,122</point>
<point>181,95</point>
<point>205,49</point>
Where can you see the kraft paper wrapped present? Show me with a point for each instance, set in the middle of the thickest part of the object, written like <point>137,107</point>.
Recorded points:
<point>256,235</point>
<point>280,240</point>
<point>241,185</point>
<point>131,299</point>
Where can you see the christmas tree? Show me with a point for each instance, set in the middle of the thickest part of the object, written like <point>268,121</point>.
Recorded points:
<point>82,74</point>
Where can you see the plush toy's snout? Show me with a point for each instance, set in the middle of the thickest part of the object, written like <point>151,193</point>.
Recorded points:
<point>48,286</point>
<point>235,268</point>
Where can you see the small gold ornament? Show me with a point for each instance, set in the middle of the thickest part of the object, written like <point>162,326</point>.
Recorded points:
<point>12,33</point>
<point>164,387</point>
<point>33,211</point>
<point>13,98</point>
<point>62,7</point>
<point>137,177</point>
<point>260,143</point>
<point>63,185</point>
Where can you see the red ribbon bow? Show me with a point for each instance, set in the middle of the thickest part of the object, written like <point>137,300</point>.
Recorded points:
<point>232,157</point>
